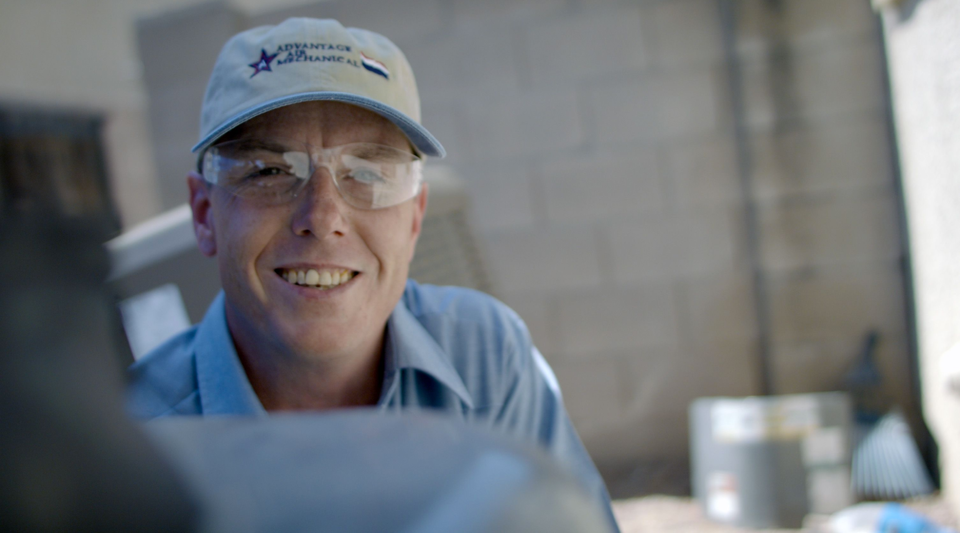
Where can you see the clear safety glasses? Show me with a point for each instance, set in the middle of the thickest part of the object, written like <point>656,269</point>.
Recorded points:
<point>274,171</point>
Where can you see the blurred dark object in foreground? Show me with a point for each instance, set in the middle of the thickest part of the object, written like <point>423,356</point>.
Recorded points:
<point>368,471</point>
<point>70,457</point>
<point>53,160</point>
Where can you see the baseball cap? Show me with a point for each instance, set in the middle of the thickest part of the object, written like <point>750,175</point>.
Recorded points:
<point>305,59</point>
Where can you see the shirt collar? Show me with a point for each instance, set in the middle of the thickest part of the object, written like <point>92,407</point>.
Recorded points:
<point>409,345</point>
<point>225,389</point>
<point>222,382</point>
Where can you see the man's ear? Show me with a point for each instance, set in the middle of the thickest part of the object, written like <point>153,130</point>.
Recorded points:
<point>203,226</point>
<point>420,209</point>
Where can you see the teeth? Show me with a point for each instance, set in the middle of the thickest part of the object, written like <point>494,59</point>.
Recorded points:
<point>326,279</point>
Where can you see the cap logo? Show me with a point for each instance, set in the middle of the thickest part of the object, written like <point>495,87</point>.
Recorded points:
<point>374,66</point>
<point>323,53</point>
<point>262,64</point>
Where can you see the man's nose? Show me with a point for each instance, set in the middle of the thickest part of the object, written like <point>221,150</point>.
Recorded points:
<point>319,207</point>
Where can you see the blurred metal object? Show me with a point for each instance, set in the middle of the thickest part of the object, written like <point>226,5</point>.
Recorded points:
<point>886,461</point>
<point>367,471</point>
<point>765,462</point>
<point>71,459</point>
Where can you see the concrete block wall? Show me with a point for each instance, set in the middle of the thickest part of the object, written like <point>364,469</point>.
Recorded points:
<point>178,51</point>
<point>597,139</point>
<point>824,189</point>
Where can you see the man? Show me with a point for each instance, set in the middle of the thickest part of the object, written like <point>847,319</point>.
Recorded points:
<point>309,192</point>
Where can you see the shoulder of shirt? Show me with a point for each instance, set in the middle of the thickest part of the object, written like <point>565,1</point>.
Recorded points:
<point>459,305</point>
<point>164,379</point>
<point>485,340</point>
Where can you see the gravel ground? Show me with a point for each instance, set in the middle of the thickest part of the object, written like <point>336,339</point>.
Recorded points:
<point>671,514</point>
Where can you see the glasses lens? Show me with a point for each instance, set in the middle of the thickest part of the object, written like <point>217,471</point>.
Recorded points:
<point>368,176</point>
<point>374,176</point>
<point>265,172</point>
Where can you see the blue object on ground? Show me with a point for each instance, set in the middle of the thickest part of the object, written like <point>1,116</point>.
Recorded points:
<point>899,519</point>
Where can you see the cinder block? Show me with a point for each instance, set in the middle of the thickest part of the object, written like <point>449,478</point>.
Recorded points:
<point>617,319</point>
<point>644,249</point>
<point>637,440</point>
<point>828,231</point>
<point>321,9</point>
<point>586,45</point>
<point>133,181</point>
<point>471,63</point>
<point>434,64</point>
<point>601,186</point>
<point>820,84</point>
<point>544,259</point>
<point>836,303</point>
<point>591,391</point>
<point>184,44</point>
<point>687,32</point>
<point>836,155</point>
<point>625,113</point>
<point>717,309</point>
<point>704,172</point>
<point>500,197</point>
<point>401,21</point>
<point>678,246</point>
<point>175,110</point>
<point>803,23</point>
<point>667,389</point>
<point>472,14</point>
<point>536,310</point>
<point>531,123</point>
<point>173,163</point>
<point>669,105</point>
<point>815,366</point>
<point>446,123</point>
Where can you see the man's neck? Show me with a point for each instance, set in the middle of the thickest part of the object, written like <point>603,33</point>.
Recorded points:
<point>314,387</point>
<point>286,381</point>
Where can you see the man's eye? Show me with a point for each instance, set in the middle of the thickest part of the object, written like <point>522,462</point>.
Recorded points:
<point>269,171</point>
<point>267,174</point>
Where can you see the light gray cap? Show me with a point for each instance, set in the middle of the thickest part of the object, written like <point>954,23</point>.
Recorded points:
<point>304,59</point>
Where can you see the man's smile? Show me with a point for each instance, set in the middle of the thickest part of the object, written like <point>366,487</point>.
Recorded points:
<point>322,279</point>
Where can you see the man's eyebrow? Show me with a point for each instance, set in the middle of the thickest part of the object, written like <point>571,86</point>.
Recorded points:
<point>366,150</point>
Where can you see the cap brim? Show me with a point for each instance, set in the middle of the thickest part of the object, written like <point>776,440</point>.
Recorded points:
<point>422,139</point>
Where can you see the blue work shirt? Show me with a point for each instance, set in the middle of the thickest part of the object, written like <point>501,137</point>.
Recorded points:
<point>450,349</point>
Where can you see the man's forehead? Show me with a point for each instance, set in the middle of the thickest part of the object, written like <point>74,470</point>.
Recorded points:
<point>321,122</point>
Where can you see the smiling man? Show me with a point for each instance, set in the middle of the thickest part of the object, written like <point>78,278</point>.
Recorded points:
<point>309,193</point>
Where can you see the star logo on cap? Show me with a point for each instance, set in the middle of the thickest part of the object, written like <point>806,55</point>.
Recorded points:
<point>263,63</point>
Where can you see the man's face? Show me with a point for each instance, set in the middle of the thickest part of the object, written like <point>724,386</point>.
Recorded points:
<point>257,246</point>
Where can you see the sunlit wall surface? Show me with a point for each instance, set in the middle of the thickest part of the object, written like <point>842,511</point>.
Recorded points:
<point>923,43</point>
